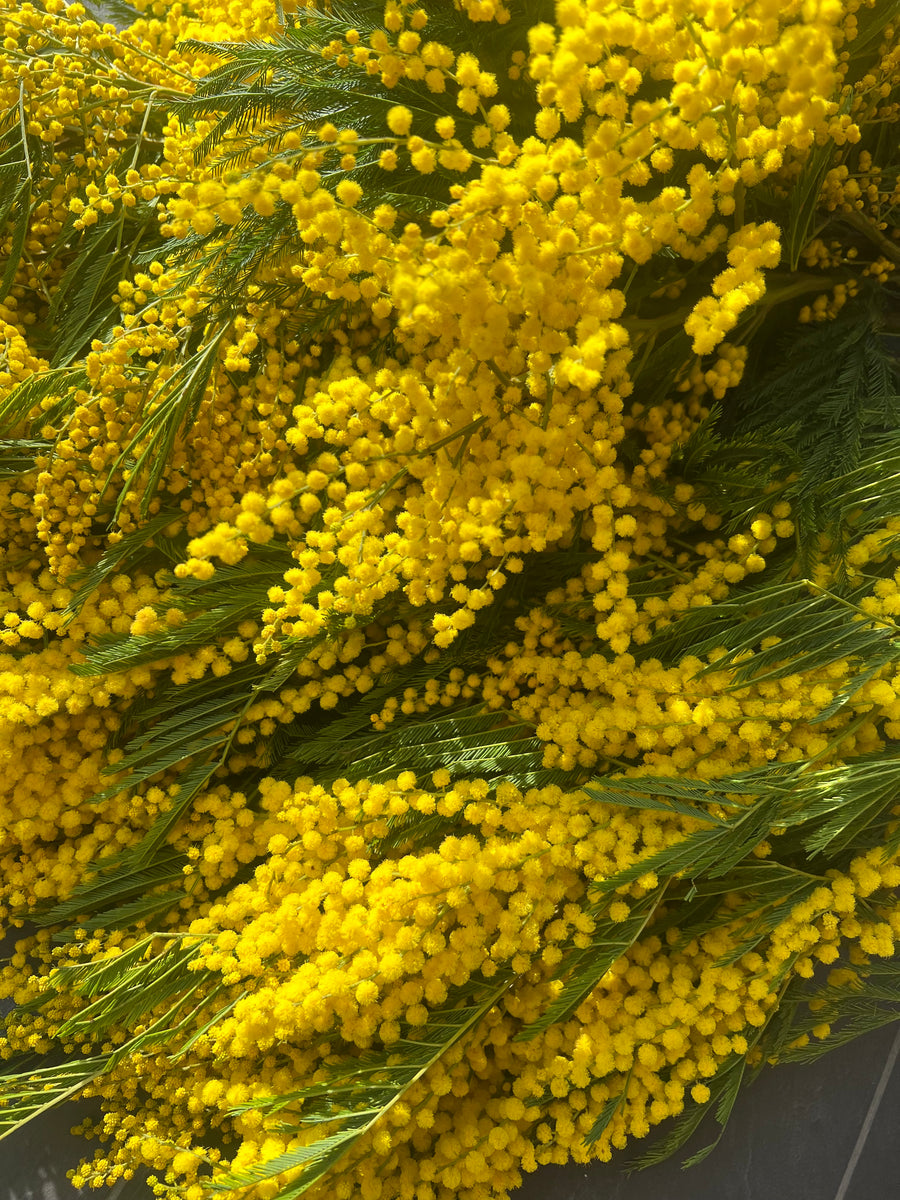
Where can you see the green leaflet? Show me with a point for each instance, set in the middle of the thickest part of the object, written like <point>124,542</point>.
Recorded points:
<point>12,175</point>
<point>871,492</point>
<point>585,968</point>
<point>226,267</point>
<point>464,742</point>
<point>175,408</point>
<point>122,916</point>
<point>468,741</point>
<point>414,830</point>
<point>190,784</point>
<point>262,89</point>
<point>857,816</point>
<point>82,307</point>
<point>711,851</point>
<point>818,809</point>
<point>206,737</point>
<point>834,806</point>
<point>17,409</point>
<point>117,12</point>
<point>810,424</point>
<point>187,732</point>
<point>318,1158</point>
<point>805,194</point>
<point>664,351</point>
<point>190,727</point>
<point>869,1002</point>
<point>17,455</point>
<point>359,1093</point>
<point>132,989</point>
<point>809,384</point>
<point>733,472</point>
<point>877,661</point>
<point>91,978</point>
<point>171,1025</point>
<point>28,1094</point>
<point>131,549</point>
<point>608,1112</point>
<point>769,890</point>
<point>755,781</point>
<point>724,1088</point>
<point>729,1084</point>
<point>202,1030</point>
<point>19,212</point>
<point>659,795</point>
<point>287,80</point>
<point>214,607</point>
<point>815,627</point>
<point>871,30</point>
<point>179,701</point>
<point>98,892</point>
<point>122,651</point>
<point>117,878</point>
<point>21,160</point>
<point>678,1132</point>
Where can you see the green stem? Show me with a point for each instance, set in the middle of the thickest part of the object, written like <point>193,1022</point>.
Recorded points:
<point>870,230</point>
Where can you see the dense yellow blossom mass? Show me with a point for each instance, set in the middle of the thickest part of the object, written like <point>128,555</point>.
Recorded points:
<point>443,728</point>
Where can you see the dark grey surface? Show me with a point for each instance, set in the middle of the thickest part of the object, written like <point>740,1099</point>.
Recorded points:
<point>826,1131</point>
<point>34,1161</point>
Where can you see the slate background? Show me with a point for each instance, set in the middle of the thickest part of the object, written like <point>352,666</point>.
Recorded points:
<point>824,1131</point>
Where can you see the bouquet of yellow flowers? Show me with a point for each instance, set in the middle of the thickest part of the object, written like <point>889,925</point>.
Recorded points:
<point>450,501</point>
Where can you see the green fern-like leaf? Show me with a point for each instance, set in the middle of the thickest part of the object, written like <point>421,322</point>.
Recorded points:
<point>131,549</point>
<point>815,627</point>
<point>123,916</point>
<point>585,969</point>
<point>18,407</point>
<point>101,891</point>
<point>82,308</point>
<point>116,12</point>
<point>17,455</point>
<point>678,1132</point>
<point>359,1093</point>
<point>805,195</point>
<point>127,991</point>
<point>20,169</point>
<point>607,1113</point>
<point>30,1094</point>
<point>175,407</point>
<point>869,1000</point>
<point>709,851</point>
<point>810,427</point>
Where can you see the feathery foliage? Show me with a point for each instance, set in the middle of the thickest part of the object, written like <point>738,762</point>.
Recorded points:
<point>449,472</point>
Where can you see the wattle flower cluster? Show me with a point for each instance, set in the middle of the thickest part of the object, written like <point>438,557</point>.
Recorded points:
<point>350,516</point>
